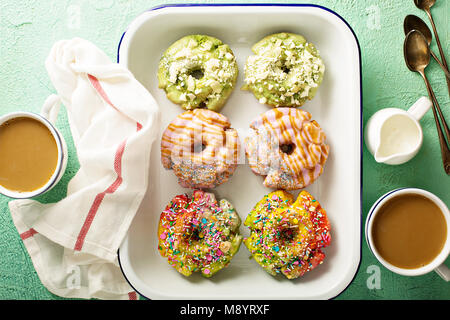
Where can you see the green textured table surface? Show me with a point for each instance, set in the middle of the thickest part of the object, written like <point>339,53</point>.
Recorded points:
<point>29,28</point>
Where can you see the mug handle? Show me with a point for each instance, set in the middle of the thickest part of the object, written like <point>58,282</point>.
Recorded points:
<point>420,107</point>
<point>51,107</point>
<point>443,271</point>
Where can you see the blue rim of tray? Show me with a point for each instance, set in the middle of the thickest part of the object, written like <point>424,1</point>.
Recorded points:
<point>176,5</point>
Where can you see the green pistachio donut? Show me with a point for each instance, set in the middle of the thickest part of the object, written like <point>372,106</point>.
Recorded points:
<point>285,71</point>
<point>198,71</point>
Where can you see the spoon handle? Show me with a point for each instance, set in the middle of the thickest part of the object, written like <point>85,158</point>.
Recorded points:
<point>445,152</point>
<point>447,74</point>
<point>444,123</point>
<point>438,42</point>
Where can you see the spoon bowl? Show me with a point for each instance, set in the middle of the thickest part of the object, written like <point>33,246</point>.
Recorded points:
<point>417,57</point>
<point>413,22</point>
<point>424,4</point>
<point>416,51</point>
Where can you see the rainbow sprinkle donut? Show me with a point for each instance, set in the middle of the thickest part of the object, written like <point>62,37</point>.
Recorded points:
<point>285,236</point>
<point>287,148</point>
<point>196,233</point>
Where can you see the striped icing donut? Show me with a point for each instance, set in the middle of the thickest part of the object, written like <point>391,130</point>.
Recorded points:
<point>201,148</point>
<point>287,148</point>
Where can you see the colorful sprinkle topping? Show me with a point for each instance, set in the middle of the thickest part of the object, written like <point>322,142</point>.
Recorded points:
<point>286,236</point>
<point>196,233</point>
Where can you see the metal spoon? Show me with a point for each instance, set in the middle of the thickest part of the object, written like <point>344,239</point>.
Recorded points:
<point>417,58</point>
<point>425,5</point>
<point>413,22</point>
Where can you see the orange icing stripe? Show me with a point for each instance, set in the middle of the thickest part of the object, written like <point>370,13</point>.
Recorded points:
<point>200,137</point>
<point>286,126</point>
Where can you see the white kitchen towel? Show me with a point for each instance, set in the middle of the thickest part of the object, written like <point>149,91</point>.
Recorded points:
<point>114,120</point>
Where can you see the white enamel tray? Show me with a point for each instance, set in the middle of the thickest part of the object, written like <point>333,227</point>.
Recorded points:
<point>337,108</point>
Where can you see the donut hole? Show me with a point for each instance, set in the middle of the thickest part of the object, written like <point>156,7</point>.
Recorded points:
<point>198,147</point>
<point>196,73</point>
<point>191,231</point>
<point>195,235</point>
<point>287,233</point>
<point>287,148</point>
<point>285,69</point>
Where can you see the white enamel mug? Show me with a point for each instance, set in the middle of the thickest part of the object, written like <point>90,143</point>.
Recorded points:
<point>48,119</point>
<point>438,262</point>
<point>394,136</point>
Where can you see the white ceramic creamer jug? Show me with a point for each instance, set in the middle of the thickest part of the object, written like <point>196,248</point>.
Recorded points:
<point>394,136</point>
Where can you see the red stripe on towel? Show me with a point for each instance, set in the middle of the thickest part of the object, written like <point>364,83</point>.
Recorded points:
<point>28,234</point>
<point>132,295</point>
<point>98,87</point>
<point>117,168</point>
